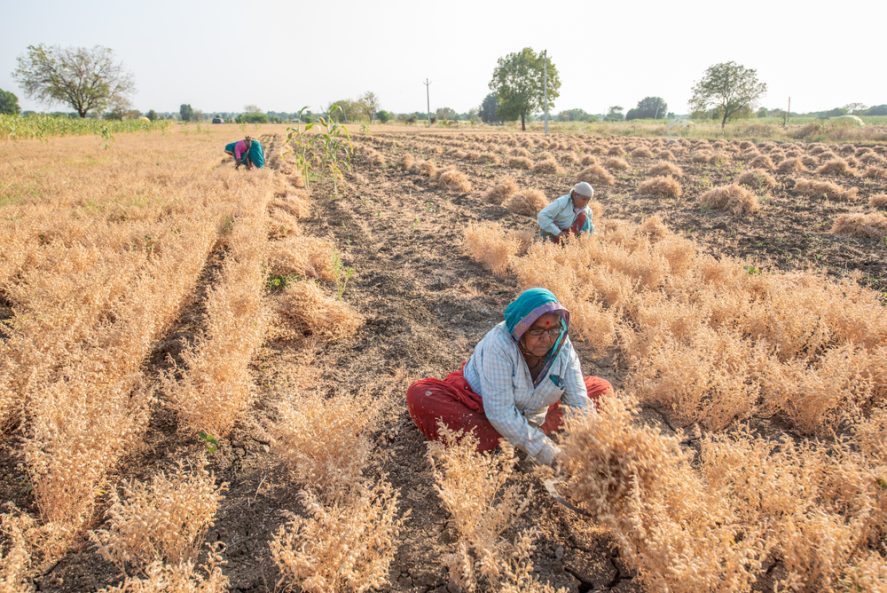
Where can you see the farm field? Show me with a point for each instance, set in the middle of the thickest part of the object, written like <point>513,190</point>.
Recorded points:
<point>202,370</point>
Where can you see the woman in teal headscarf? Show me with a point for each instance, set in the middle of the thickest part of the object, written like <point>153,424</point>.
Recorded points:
<point>514,382</point>
<point>247,152</point>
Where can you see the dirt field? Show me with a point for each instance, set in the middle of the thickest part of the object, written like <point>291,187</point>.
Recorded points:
<point>426,304</point>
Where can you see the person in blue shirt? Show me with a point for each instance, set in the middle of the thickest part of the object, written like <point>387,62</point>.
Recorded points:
<point>568,214</point>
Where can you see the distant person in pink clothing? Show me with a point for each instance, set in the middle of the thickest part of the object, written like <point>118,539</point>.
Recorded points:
<point>247,152</point>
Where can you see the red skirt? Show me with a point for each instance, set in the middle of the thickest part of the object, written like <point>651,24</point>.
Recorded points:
<point>454,403</point>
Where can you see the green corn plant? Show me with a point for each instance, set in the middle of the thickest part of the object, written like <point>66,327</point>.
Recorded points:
<point>328,149</point>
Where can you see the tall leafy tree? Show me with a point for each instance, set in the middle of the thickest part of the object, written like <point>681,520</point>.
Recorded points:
<point>9,103</point>
<point>186,112</point>
<point>369,104</point>
<point>728,88</point>
<point>87,79</point>
<point>488,113</point>
<point>518,84</point>
<point>649,108</point>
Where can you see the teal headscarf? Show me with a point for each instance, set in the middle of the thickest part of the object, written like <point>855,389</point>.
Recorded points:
<point>522,313</point>
<point>529,306</point>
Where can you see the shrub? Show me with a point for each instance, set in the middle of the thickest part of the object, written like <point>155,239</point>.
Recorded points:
<point>878,201</point>
<point>311,312</point>
<point>162,520</point>
<point>875,173</point>
<point>757,180</point>
<point>677,532</point>
<point>733,198</point>
<point>663,187</point>
<point>666,168</point>
<point>654,228</point>
<point>178,578</point>
<point>762,162</point>
<point>454,180</point>
<point>427,168</point>
<point>872,225</point>
<point>471,486</point>
<point>596,174</point>
<point>501,191</point>
<point>489,244</point>
<point>520,162</point>
<point>702,156</point>
<point>836,166</point>
<point>825,189</point>
<point>344,547</point>
<point>549,166</point>
<point>293,204</point>
<point>790,165</point>
<point>641,153</point>
<point>303,256</point>
<point>616,164</point>
<point>325,443</point>
<point>528,202</point>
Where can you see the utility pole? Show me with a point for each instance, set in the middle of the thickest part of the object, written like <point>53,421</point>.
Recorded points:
<point>789,110</point>
<point>428,99</point>
<point>545,87</point>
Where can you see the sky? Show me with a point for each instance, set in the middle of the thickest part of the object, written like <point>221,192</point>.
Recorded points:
<point>220,56</point>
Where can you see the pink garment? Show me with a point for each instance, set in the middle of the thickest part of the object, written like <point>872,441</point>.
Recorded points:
<point>239,149</point>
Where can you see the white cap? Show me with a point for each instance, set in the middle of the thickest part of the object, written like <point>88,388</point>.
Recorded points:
<point>583,188</point>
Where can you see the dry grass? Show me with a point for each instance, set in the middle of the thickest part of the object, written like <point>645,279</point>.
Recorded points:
<point>872,225</point>
<point>825,190</point>
<point>733,198</point>
<point>178,578</point>
<point>837,166</point>
<point>662,187</point>
<point>548,166</point>
<point>502,190</point>
<point>109,279</point>
<point>666,168</point>
<point>216,386</point>
<point>596,174</point>
<point>472,487</point>
<point>407,162</point>
<point>878,201</point>
<point>641,153</point>
<point>163,520</point>
<point>527,202</point>
<point>303,256</point>
<point>640,484</point>
<point>762,162</point>
<point>325,443</point>
<point>343,547</point>
<point>520,162</point>
<point>757,179</point>
<point>791,165</point>
<point>454,181</point>
<point>616,164</point>
<point>485,242</point>
<point>427,168</point>
<point>309,311</point>
<point>293,204</point>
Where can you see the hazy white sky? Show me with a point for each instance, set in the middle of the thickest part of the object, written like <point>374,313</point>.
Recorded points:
<point>223,55</point>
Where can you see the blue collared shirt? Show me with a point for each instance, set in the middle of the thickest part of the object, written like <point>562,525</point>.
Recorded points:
<point>559,216</point>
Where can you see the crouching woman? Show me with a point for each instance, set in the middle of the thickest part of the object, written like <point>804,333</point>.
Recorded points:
<point>514,384</point>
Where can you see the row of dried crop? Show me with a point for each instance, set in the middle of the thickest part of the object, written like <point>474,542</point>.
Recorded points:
<point>101,280</point>
<point>715,342</point>
<point>742,197</point>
